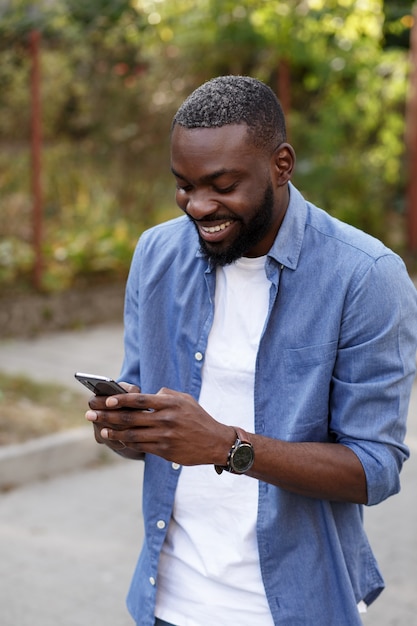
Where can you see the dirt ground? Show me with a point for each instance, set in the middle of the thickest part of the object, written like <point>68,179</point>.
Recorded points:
<point>29,409</point>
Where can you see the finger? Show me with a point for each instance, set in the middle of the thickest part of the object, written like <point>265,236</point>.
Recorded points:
<point>116,445</point>
<point>130,399</point>
<point>113,400</point>
<point>97,434</point>
<point>140,440</point>
<point>130,388</point>
<point>110,437</point>
<point>99,419</point>
<point>165,398</point>
<point>136,400</point>
<point>101,402</point>
<point>91,416</point>
<point>97,402</point>
<point>127,436</point>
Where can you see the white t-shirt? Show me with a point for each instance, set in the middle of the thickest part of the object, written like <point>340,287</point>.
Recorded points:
<point>209,570</point>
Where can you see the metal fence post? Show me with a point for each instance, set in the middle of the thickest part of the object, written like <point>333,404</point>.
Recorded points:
<point>411,139</point>
<point>36,141</point>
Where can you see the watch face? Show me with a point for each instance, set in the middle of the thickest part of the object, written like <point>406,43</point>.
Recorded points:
<point>242,458</point>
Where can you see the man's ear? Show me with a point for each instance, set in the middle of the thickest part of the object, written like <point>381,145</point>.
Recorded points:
<point>283,163</point>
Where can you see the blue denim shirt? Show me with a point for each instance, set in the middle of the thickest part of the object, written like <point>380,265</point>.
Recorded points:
<point>335,363</point>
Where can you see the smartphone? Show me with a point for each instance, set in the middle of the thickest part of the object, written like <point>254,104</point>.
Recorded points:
<point>100,385</point>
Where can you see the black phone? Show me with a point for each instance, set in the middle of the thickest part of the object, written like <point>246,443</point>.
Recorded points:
<point>100,385</point>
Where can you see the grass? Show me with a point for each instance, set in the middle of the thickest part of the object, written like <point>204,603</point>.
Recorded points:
<point>29,409</point>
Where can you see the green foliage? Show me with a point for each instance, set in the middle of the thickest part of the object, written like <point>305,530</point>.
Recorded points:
<point>94,212</point>
<point>113,74</point>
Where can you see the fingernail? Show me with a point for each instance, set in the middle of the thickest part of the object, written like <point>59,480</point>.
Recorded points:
<point>104,433</point>
<point>91,416</point>
<point>111,401</point>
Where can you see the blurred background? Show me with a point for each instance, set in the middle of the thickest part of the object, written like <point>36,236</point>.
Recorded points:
<point>87,94</point>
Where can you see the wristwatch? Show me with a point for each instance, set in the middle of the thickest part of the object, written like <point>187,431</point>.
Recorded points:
<point>241,455</point>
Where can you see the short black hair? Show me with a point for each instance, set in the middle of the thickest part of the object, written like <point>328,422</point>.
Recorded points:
<point>235,100</point>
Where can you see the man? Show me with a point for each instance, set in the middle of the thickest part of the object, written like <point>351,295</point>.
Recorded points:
<point>275,351</point>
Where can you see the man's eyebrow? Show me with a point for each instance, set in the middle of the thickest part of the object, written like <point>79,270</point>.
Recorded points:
<point>212,175</point>
<point>177,174</point>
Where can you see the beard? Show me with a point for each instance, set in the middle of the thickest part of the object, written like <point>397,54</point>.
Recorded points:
<point>250,234</point>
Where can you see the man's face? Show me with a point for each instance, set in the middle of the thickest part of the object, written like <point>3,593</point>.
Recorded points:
<point>224,185</point>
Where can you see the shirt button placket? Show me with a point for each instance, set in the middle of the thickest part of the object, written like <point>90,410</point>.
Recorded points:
<point>160,524</point>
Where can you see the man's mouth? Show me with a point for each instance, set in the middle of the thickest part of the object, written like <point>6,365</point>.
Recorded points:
<point>215,229</point>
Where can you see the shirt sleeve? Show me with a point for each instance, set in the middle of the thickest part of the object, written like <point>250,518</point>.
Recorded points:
<point>130,371</point>
<point>374,373</point>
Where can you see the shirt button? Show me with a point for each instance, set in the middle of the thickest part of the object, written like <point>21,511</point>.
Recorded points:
<point>160,524</point>
<point>152,580</point>
<point>198,356</point>
<point>175,466</point>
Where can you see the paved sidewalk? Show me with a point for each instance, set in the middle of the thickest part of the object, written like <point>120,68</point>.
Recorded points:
<point>57,356</point>
<point>68,544</point>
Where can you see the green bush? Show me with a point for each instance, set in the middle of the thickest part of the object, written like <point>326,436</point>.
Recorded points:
<point>113,74</point>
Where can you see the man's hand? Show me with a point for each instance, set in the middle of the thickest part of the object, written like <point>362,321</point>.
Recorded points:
<point>92,416</point>
<point>174,426</point>
<point>169,424</point>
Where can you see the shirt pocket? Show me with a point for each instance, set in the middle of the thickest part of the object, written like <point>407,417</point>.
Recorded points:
<point>308,376</point>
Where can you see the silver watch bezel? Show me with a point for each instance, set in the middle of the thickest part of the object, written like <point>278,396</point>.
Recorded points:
<point>237,448</point>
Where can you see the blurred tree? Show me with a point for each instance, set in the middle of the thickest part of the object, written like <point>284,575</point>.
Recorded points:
<point>114,72</point>
<point>398,22</point>
<point>347,89</point>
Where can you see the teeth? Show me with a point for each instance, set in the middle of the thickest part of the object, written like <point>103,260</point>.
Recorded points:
<point>215,229</point>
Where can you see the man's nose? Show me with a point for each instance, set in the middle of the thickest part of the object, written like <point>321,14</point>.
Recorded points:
<point>200,205</point>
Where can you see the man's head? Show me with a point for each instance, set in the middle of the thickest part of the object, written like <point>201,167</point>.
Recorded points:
<point>232,166</point>
<point>236,100</point>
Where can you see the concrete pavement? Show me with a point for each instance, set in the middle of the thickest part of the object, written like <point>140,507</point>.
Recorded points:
<point>54,358</point>
<point>69,542</point>
<point>68,546</point>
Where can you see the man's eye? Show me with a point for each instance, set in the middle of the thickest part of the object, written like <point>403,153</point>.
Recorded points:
<point>228,189</point>
<point>183,188</point>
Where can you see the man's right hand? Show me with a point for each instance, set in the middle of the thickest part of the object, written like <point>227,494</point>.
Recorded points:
<point>98,403</point>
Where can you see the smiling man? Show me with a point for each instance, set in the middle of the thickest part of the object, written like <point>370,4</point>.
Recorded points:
<point>233,207</point>
<point>269,359</point>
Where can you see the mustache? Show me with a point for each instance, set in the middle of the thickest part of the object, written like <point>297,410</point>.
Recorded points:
<point>213,218</point>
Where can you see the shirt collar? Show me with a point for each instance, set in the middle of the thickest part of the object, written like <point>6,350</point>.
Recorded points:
<point>286,248</point>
